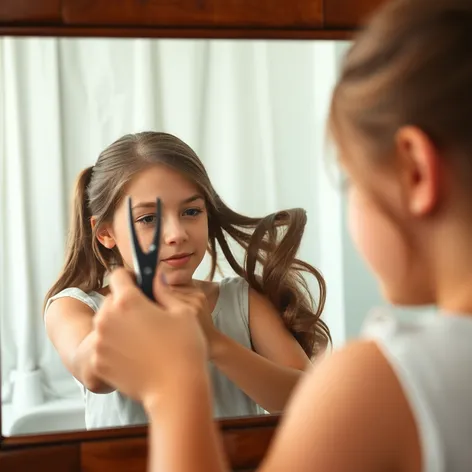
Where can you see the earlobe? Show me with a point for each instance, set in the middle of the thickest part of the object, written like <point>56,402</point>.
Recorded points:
<point>419,167</point>
<point>103,234</point>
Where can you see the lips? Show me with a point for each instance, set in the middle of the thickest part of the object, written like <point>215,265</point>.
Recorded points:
<point>178,260</point>
<point>182,255</point>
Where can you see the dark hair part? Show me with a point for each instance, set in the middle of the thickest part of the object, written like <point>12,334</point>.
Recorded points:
<point>411,65</point>
<point>100,189</point>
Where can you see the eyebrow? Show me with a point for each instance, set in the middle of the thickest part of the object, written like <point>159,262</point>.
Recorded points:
<point>191,199</point>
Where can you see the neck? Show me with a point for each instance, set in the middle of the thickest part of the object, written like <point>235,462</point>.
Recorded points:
<point>453,269</point>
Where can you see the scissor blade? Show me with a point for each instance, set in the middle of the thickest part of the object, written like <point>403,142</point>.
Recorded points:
<point>157,233</point>
<point>135,247</point>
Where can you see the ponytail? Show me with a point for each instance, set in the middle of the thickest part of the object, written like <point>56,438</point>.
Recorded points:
<point>82,269</point>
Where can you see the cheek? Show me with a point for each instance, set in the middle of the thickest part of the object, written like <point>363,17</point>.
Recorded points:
<point>200,236</point>
<point>378,241</point>
<point>124,248</point>
<point>358,223</point>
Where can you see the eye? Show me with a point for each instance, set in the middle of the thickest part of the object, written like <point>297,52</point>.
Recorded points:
<point>193,212</point>
<point>147,220</point>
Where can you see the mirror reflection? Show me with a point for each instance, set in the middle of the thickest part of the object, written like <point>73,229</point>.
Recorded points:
<point>230,136</point>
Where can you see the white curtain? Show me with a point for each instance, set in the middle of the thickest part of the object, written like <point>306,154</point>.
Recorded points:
<point>254,111</point>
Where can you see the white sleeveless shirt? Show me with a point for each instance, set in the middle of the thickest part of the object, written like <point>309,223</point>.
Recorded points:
<point>230,316</point>
<point>432,358</point>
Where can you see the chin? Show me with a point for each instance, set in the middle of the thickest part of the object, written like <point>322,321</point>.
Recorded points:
<point>179,276</point>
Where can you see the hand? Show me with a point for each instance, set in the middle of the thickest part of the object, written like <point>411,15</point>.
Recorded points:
<point>195,297</point>
<point>140,346</point>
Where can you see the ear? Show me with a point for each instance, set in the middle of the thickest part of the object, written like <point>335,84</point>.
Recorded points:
<point>104,234</point>
<point>418,163</point>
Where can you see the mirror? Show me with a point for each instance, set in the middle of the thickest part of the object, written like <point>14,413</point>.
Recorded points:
<point>253,111</point>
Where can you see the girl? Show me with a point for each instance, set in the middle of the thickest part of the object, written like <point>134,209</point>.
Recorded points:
<point>261,330</point>
<point>400,400</point>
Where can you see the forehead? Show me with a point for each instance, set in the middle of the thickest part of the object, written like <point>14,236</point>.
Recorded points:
<point>163,182</point>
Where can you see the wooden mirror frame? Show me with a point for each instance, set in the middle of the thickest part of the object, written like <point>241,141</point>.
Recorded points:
<point>125,449</point>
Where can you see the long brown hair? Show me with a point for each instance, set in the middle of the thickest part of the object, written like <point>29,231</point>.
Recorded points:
<point>270,265</point>
<point>411,65</point>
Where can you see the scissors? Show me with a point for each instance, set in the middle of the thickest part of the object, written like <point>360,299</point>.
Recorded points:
<point>145,263</point>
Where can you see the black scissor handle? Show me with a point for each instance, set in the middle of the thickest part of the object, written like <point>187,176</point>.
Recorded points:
<point>145,263</point>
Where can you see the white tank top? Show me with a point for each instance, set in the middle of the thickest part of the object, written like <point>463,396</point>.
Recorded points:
<point>230,316</point>
<point>432,358</point>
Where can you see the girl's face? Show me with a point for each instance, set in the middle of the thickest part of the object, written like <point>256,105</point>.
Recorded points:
<point>379,242</point>
<point>184,224</point>
<point>387,210</point>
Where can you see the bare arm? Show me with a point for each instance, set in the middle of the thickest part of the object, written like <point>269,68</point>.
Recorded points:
<point>268,375</point>
<point>349,413</point>
<point>69,325</point>
<point>183,435</point>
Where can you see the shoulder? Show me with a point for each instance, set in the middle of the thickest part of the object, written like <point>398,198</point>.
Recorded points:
<point>370,394</point>
<point>73,299</point>
<point>232,283</point>
<point>240,285</point>
<point>250,298</point>
<point>250,302</point>
<point>353,398</point>
<point>259,302</point>
<point>234,290</point>
<point>71,310</point>
<point>410,341</point>
<point>429,365</point>
<point>261,308</point>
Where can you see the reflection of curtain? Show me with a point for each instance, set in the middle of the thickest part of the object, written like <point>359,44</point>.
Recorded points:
<point>254,112</point>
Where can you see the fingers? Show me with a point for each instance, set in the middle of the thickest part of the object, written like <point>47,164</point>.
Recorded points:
<point>175,300</point>
<point>160,284</point>
<point>124,292</point>
<point>162,291</point>
<point>188,290</point>
<point>123,297</point>
<point>121,280</point>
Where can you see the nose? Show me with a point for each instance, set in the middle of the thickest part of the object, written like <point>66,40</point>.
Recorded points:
<point>173,231</point>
